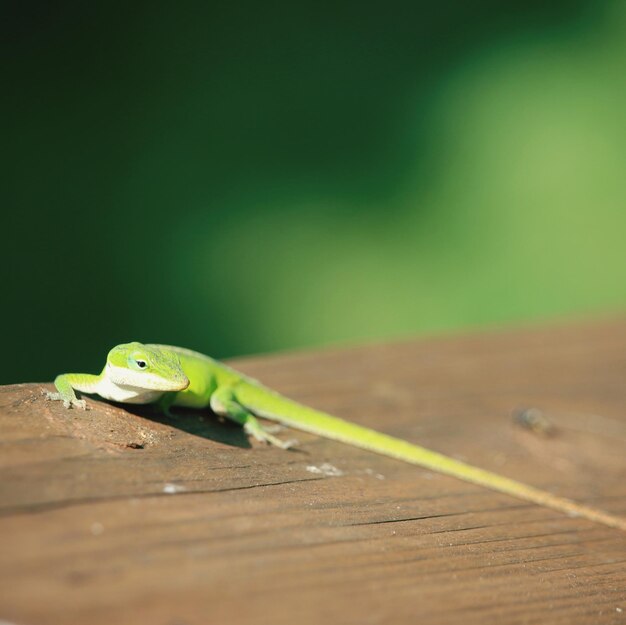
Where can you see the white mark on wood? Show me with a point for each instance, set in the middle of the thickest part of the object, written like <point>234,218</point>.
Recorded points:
<point>378,476</point>
<point>171,489</point>
<point>326,469</point>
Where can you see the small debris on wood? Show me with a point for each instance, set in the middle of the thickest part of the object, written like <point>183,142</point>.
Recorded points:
<point>534,420</point>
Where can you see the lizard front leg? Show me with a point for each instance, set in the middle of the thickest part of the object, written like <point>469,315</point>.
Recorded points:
<point>66,383</point>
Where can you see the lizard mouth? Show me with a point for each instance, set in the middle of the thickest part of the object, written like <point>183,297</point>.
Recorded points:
<point>163,384</point>
<point>183,384</point>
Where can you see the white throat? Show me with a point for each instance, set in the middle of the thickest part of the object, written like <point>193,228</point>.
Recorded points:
<point>127,394</point>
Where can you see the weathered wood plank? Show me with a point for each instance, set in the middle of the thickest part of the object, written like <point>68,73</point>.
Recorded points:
<point>118,516</point>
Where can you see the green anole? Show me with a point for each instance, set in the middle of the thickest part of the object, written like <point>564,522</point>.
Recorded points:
<point>172,376</point>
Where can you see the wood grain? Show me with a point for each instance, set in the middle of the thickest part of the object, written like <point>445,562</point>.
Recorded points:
<point>121,516</point>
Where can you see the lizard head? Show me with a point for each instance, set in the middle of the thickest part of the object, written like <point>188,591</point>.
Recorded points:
<point>146,367</point>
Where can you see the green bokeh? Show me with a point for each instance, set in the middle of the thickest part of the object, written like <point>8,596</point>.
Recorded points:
<point>247,177</point>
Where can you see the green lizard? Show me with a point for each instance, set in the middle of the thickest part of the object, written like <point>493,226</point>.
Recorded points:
<point>173,376</point>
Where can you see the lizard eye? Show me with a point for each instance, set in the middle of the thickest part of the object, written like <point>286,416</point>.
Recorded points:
<point>139,361</point>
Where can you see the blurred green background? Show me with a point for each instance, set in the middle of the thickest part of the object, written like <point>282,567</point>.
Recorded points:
<point>249,177</point>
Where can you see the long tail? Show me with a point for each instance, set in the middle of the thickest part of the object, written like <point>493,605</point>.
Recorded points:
<point>266,403</point>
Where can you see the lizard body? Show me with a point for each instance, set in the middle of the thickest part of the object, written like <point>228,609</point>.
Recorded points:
<point>174,376</point>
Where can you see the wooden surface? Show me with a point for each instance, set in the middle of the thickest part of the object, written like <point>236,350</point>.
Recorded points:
<point>117,516</point>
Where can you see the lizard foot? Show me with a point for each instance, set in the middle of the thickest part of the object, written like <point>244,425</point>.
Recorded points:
<point>253,428</point>
<point>81,404</point>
